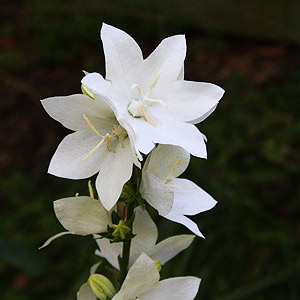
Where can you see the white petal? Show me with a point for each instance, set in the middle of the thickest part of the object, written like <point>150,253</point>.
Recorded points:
<point>117,100</point>
<point>85,293</point>
<point>167,61</point>
<point>54,238</point>
<point>141,276</point>
<point>181,219</point>
<point>177,288</point>
<point>94,268</point>
<point>189,100</point>
<point>198,120</point>
<point>69,110</point>
<point>66,161</point>
<point>181,74</point>
<point>168,130</point>
<point>123,57</point>
<point>81,215</point>
<point>146,234</point>
<point>166,158</point>
<point>132,137</point>
<point>156,193</point>
<point>170,247</point>
<point>109,251</point>
<point>189,198</point>
<point>116,170</point>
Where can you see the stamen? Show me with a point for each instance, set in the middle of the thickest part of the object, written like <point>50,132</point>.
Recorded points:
<point>91,191</point>
<point>137,86</point>
<point>153,84</point>
<point>169,179</point>
<point>156,101</point>
<point>94,149</point>
<point>120,133</point>
<point>181,186</point>
<point>92,126</point>
<point>108,143</point>
<point>143,112</point>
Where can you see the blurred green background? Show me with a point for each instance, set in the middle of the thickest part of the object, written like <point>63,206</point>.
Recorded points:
<point>251,49</point>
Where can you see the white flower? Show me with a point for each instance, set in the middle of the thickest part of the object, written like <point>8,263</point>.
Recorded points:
<point>142,282</point>
<point>99,143</point>
<point>80,215</point>
<point>150,95</point>
<point>145,242</point>
<point>174,198</point>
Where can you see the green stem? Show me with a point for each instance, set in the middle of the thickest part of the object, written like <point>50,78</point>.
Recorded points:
<point>124,267</point>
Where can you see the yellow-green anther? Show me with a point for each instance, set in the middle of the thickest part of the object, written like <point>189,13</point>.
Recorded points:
<point>101,286</point>
<point>87,92</point>
<point>158,265</point>
<point>120,230</point>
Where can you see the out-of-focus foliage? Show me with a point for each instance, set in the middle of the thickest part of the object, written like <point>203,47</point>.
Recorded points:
<point>253,234</point>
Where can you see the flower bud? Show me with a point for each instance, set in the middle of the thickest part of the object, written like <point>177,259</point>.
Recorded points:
<point>158,265</point>
<point>87,92</point>
<point>101,286</point>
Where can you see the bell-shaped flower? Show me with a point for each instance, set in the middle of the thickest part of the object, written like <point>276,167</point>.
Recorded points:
<point>174,198</point>
<point>81,215</point>
<point>142,283</point>
<point>99,143</point>
<point>145,242</point>
<point>150,94</point>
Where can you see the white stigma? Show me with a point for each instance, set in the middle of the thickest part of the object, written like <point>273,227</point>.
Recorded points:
<point>138,108</point>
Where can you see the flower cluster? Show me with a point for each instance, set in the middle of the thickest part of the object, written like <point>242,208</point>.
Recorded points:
<point>136,129</point>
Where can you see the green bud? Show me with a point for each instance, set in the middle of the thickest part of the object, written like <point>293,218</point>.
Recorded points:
<point>87,92</point>
<point>101,286</point>
<point>158,265</point>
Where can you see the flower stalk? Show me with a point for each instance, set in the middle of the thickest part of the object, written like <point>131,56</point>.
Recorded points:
<point>124,260</point>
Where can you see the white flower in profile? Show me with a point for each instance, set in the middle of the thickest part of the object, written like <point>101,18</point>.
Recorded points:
<point>145,242</point>
<point>150,94</point>
<point>81,215</point>
<point>173,197</point>
<point>142,282</point>
<point>99,143</point>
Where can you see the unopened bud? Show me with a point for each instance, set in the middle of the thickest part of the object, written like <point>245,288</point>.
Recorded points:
<point>158,265</point>
<point>87,92</point>
<point>101,286</point>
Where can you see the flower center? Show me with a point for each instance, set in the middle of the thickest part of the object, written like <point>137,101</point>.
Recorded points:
<point>138,107</point>
<point>116,131</point>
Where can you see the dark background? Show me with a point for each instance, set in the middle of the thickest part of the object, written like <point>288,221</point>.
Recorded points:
<point>251,49</point>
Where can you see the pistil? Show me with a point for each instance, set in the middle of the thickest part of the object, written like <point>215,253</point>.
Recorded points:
<point>138,108</point>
